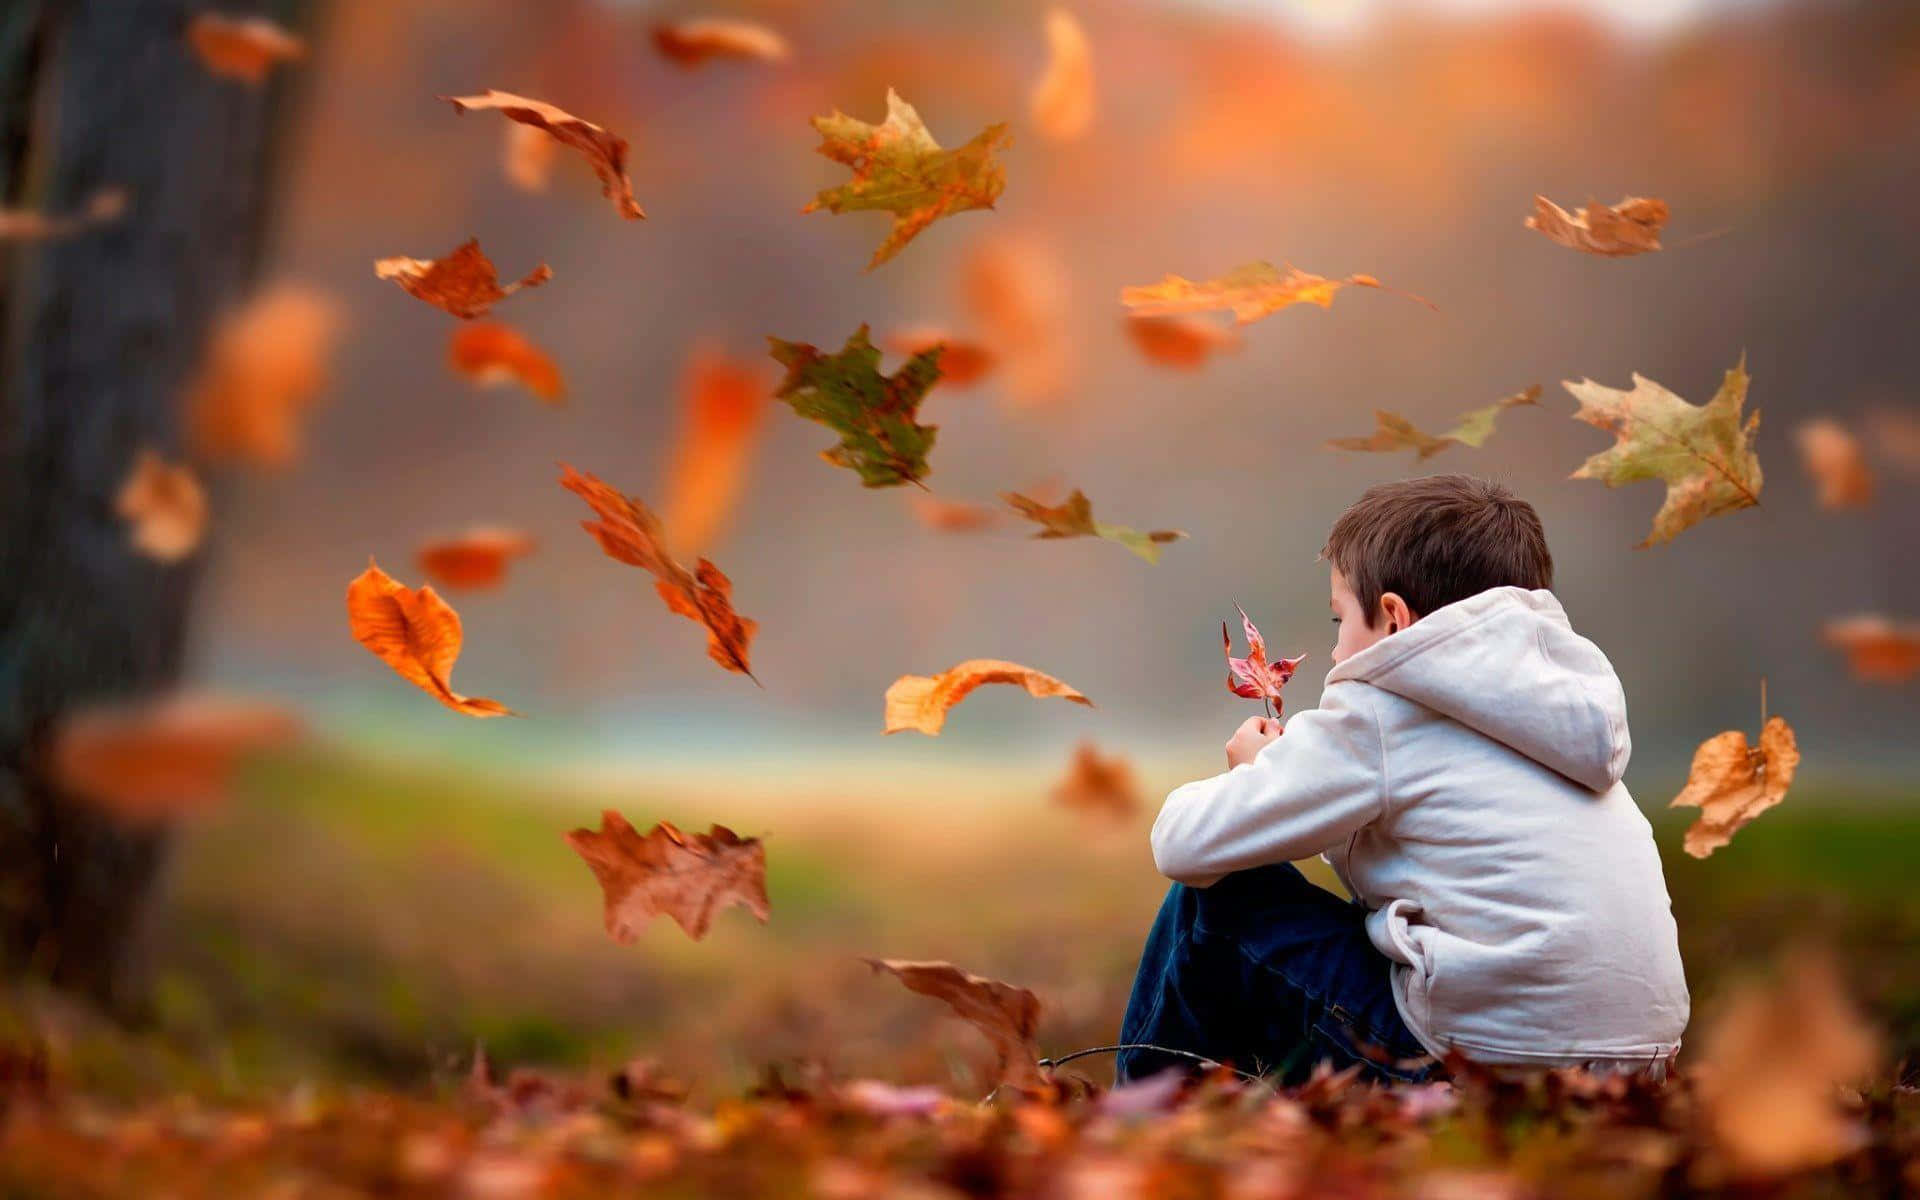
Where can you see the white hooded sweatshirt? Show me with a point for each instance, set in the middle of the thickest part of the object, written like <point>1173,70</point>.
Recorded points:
<point>1463,777</point>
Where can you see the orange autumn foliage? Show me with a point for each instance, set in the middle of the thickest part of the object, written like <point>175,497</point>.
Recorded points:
<point>723,406</point>
<point>1008,1016</point>
<point>163,758</point>
<point>1179,341</point>
<point>164,507</point>
<point>1099,785</point>
<point>416,633</point>
<point>242,48</point>
<point>463,283</point>
<point>493,355</point>
<point>1878,650</point>
<point>1063,102</point>
<point>693,43</point>
<point>475,559</point>
<point>951,516</point>
<point>1019,293</point>
<point>266,364</point>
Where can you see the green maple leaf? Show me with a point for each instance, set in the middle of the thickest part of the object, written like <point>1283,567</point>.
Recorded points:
<point>873,413</point>
<point>1395,432</point>
<point>899,168</point>
<point>1704,453</point>
<point>1075,519</point>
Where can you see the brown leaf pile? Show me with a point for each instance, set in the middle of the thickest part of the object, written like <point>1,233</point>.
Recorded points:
<point>922,702</point>
<point>417,634</point>
<point>605,152</point>
<point>688,877</point>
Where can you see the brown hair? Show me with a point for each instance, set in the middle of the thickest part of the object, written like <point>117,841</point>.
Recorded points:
<point>1437,540</point>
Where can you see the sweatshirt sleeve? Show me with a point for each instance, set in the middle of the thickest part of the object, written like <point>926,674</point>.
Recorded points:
<point>1306,790</point>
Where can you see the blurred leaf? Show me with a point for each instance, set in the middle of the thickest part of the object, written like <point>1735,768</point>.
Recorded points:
<point>1395,432</point>
<point>723,404</point>
<point>1009,1016</point>
<point>165,506</point>
<point>1179,341</point>
<point>1834,460</point>
<point>104,207</point>
<point>492,354</point>
<point>475,559</point>
<point>1063,102</point>
<point>962,363</point>
<point>1097,784</point>
<point>161,759</point>
<point>242,48</point>
<point>1878,650</point>
<point>266,364</point>
<point>693,43</point>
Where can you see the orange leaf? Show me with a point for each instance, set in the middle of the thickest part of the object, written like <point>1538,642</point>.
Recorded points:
<point>1009,1016</point>
<point>1630,227</point>
<point>1019,292</point>
<point>921,702</point>
<point>1895,434</point>
<point>952,516</point>
<point>1063,101</point>
<point>475,559</point>
<point>1877,649</point>
<point>1094,784</point>
<point>1832,457</point>
<point>159,759</point>
<point>463,283</point>
<point>692,43</point>
<point>688,877</point>
<point>243,48</point>
<point>265,365</point>
<point>492,354</point>
<point>103,207</point>
<point>526,156</point>
<point>1731,783</point>
<point>605,152</point>
<point>723,404</point>
<point>962,363</point>
<point>166,507</point>
<point>1252,291</point>
<point>414,632</point>
<point>1179,341</point>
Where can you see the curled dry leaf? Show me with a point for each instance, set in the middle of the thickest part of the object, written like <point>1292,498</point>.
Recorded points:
<point>921,702</point>
<point>899,168</point>
<point>1731,783</point>
<point>475,559</point>
<point>1395,432</point>
<point>243,48</point>
<point>1833,459</point>
<point>1018,289</point>
<point>493,355</point>
<point>104,207</point>
<point>1250,292</point>
<point>463,283</point>
<point>1179,341</point>
<point>1630,227</point>
<point>1703,453</point>
<point>875,415</point>
<point>605,152</point>
<point>416,633</point>
<point>962,363</point>
<point>265,365</point>
<point>1253,677</point>
<point>723,405</point>
<point>1878,650</point>
<point>1063,101</point>
<point>952,516</point>
<point>629,532</point>
<point>164,506</point>
<point>1009,1016</point>
<point>1102,785</point>
<point>163,758</point>
<point>1074,518</point>
<point>686,876</point>
<point>692,43</point>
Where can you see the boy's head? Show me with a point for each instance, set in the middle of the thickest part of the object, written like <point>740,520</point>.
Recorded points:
<point>1405,549</point>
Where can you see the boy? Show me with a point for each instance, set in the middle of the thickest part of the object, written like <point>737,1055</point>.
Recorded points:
<point>1462,776</point>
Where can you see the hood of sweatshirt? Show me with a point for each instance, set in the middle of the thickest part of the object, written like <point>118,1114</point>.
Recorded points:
<point>1508,664</point>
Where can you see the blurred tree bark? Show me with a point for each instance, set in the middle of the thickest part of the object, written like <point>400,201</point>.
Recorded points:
<point>101,330</point>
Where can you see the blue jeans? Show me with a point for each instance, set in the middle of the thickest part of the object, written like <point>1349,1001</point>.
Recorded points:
<point>1272,974</point>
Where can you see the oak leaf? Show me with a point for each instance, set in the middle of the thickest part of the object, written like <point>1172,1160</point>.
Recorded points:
<point>899,168</point>
<point>1878,650</point>
<point>1731,783</point>
<point>105,206</point>
<point>688,877</point>
<point>1475,426</point>
<point>1703,453</point>
<point>1009,1016</point>
<point>493,355</point>
<point>921,702</point>
<point>629,532</point>
<point>414,632</point>
<point>723,404</point>
<point>874,414</point>
<point>475,559</point>
<point>1063,102</point>
<point>963,363</point>
<point>463,283</point>
<point>1182,341</point>
<point>164,505</point>
<point>1252,291</point>
<point>952,516</point>
<point>1833,458</point>
<point>692,43</point>
<point>605,152</point>
<point>1253,677</point>
<point>1630,227</point>
<point>1074,518</point>
<point>243,48</point>
<point>162,758</point>
<point>265,366</point>
<point>1099,784</point>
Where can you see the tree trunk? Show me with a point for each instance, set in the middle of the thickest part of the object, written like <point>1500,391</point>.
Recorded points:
<point>101,331</point>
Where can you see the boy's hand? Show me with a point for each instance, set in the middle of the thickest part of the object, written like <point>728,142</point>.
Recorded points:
<point>1254,732</point>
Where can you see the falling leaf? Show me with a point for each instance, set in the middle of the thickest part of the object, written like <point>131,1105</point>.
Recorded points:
<point>962,363</point>
<point>475,559</point>
<point>1704,454</point>
<point>463,283</point>
<point>1179,341</point>
<point>723,404</point>
<point>629,532</point>
<point>1878,650</point>
<point>1253,677</point>
<point>1833,458</point>
<point>952,516</point>
<point>493,355</point>
<point>688,877</point>
<point>165,506</point>
<point>1009,1016</point>
<point>1896,436</point>
<point>527,156</point>
<point>1063,101</point>
<point>921,702</point>
<point>104,207</point>
<point>1075,519</point>
<point>1251,292</point>
<point>605,152</point>
<point>873,413</point>
<point>899,168</point>
<point>1019,291</point>
<point>1097,784</point>
<point>243,48</point>
<point>414,632</point>
<point>265,365</point>
<point>1395,432</point>
<point>1731,783</point>
<point>1630,227</point>
<point>159,759</point>
<point>692,43</point>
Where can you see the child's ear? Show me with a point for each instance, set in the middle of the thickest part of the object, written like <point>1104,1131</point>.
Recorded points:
<point>1394,612</point>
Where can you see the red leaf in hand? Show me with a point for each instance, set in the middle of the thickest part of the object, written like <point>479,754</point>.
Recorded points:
<point>1253,676</point>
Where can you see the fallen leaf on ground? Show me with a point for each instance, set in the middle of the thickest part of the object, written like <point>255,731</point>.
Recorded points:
<point>1630,227</point>
<point>1252,291</point>
<point>527,156</point>
<point>952,516</point>
<point>414,632</point>
<point>1878,650</point>
<point>105,206</point>
<point>1253,677</point>
<point>605,152</point>
<point>1097,784</point>
<point>688,877</point>
<point>475,559</point>
<point>243,48</point>
<point>1009,1016</point>
<point>1063,101</point>
<point>692,43</point>
<point>874,414</point>
<point>1074,518</point>
<point>1018,289</point>
<point>265,365</point>
<point>1833,459</point>
<point>1179,341</point>
<point>164,758</point>
<point>878,1098</point>
<point>921,702</point>
<point>1395,432</point>
<point>962,363</point>
<point>1731,783</point>
<point>165,506</point>
<point>629,532</point>
<point>899,168</point>
<point>723,405</point>
<point>1703,453</point>
<point>463,283</point>
<point>494,355</point>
